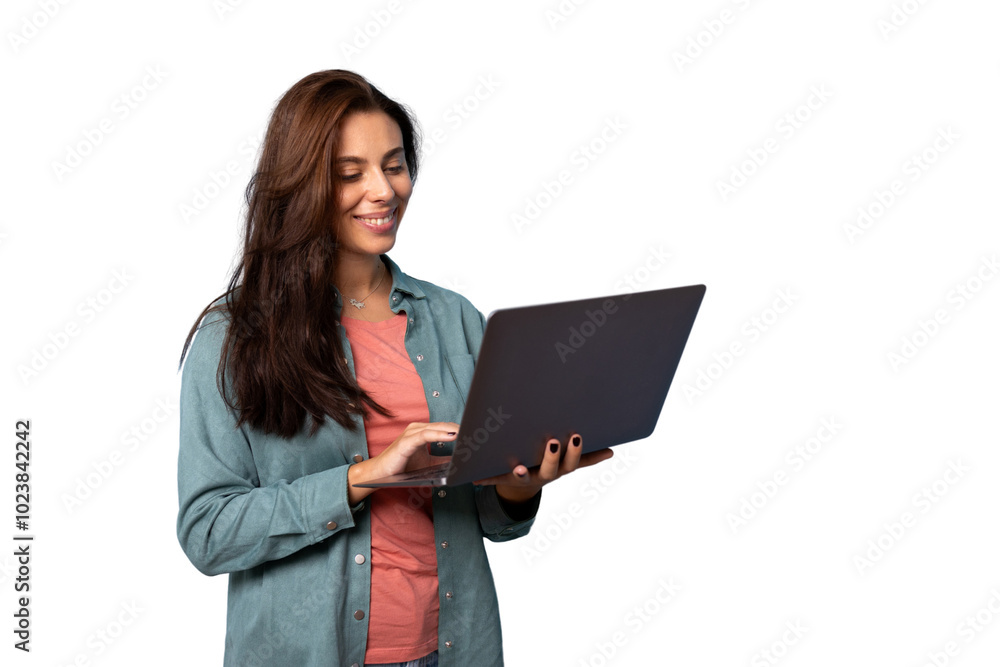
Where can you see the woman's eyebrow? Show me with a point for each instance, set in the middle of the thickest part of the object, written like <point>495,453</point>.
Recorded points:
<point>358,160</point>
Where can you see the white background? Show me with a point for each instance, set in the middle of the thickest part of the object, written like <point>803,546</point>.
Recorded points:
<point>583,589</point>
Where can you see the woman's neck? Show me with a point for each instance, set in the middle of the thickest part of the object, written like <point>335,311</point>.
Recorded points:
<point>358,275</point>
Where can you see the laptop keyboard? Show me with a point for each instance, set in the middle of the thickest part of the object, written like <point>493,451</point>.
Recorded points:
<point>426,473</point>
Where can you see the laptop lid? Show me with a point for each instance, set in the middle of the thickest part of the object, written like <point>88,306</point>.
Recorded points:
<point>601,367</point>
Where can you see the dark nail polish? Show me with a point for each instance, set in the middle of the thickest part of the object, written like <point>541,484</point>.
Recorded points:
<point>576,441</point>
<point>554,447</point>
<point>451,432</point>
<point>520,474</point>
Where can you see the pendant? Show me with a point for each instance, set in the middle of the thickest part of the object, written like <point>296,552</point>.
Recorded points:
<point>357,304</point>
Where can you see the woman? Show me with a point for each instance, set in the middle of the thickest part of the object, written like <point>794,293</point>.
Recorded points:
<point>324,366</point>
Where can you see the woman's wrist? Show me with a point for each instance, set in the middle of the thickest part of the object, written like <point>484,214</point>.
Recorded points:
<point>358,473</point>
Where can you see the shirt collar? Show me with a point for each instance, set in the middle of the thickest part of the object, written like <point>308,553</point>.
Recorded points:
<point>402,282</point>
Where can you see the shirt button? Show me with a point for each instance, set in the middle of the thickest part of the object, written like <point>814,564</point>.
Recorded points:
<point>442,493</point>
<point>395,299</point>
<point>449,644</point>
<point>448,595</point>
<point>332,525</point>
<point>411,320</point>
<point>355,665</point>
<point>444,545</point>
<point>435,393</point>
<point>359,559</point>
<point>358,458</point>
<point>420,357</point>
<point>359,614</point>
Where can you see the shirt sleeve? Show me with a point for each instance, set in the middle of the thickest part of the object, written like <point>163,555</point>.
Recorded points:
<point>497,524</point>
<point>226,520</point>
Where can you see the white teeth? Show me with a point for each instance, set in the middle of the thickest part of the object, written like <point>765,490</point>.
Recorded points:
<point>377,221</point>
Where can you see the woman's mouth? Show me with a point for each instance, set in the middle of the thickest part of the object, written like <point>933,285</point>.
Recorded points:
<point>378,222</point>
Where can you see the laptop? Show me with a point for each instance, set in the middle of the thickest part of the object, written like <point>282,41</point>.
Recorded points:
<point>600,367</point>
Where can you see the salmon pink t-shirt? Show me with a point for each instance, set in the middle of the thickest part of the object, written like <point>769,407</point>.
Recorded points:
<point>403,619</point>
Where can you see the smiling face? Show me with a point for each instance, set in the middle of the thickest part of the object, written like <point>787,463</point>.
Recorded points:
<point>373,181</point>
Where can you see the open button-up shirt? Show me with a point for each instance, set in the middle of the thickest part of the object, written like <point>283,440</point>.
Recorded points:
<point>274,512</point>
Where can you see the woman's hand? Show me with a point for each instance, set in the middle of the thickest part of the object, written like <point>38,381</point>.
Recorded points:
<point>406,452</point>
<point>560,459</point>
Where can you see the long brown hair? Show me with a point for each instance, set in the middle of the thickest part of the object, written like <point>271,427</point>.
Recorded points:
<point>282,349</point>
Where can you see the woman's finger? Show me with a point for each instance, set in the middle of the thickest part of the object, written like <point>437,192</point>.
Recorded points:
<point>447,427</point>
<point>571,460</point>
<point>416,444</point>
<point>431,432</point>
<point>549,469</point>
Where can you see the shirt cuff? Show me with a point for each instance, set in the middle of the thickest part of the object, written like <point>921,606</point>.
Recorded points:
<point>325,503</point>
<point>496,522</point>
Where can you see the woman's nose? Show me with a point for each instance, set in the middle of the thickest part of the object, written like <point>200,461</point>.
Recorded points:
<point>379,187</point>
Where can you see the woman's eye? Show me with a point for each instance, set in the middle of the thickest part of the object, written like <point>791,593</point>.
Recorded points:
<point>349,177</point>
<point>395,170</point>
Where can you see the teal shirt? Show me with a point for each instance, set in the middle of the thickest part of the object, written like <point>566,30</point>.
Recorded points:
<point>274,513</point>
